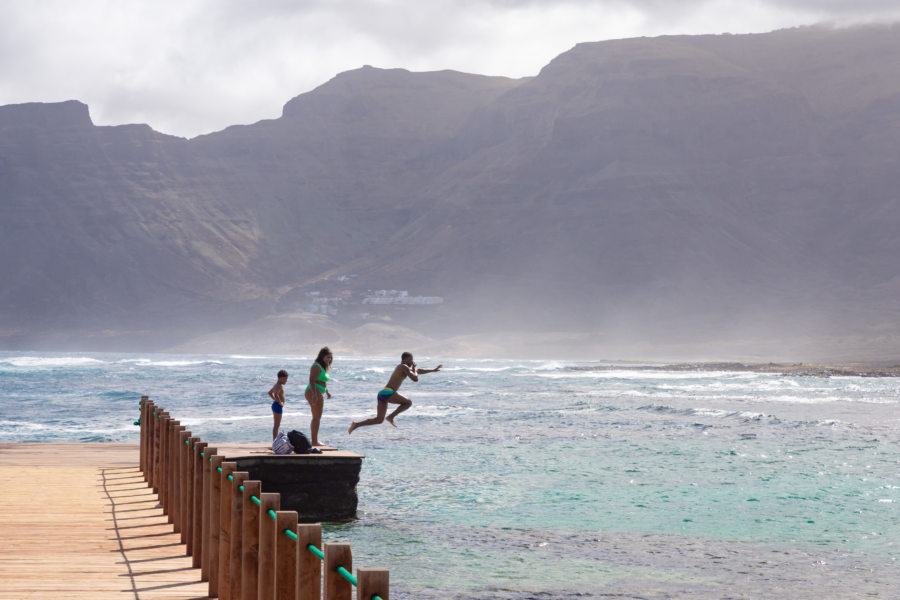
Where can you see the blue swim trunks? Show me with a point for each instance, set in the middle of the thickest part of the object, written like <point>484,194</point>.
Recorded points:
<point>384,394</point>
<point>277,408</point>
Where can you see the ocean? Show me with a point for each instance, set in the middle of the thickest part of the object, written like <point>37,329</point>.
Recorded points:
<point>535,479</point>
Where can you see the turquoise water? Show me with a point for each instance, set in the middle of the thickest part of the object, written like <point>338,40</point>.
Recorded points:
<point>529,479</point>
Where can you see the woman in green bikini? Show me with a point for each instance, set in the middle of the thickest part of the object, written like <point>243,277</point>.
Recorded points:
<point>316,391</point>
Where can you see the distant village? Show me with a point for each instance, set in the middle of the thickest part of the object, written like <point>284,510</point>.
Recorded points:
<point>332,305</point>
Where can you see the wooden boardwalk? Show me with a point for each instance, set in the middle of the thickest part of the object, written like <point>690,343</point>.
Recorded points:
<point>78,521</point>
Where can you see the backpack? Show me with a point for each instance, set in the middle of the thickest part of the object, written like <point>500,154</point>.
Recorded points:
<point>281,444</point>
<point>299,441</point>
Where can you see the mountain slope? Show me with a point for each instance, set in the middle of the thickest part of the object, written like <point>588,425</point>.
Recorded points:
<point>682,189</point>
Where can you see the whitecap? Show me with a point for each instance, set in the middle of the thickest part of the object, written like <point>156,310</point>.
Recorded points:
<point>60,361</point>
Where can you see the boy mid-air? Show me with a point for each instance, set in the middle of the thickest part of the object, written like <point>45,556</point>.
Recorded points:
<point>389,394</point>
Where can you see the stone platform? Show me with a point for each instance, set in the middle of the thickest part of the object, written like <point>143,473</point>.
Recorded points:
<point>320,487</point>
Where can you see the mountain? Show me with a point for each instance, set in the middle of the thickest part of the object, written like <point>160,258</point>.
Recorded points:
<point>705,196</point>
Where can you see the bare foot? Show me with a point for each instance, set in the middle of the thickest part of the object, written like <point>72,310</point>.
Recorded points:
<point>353,426</point>
<point>391,421</point>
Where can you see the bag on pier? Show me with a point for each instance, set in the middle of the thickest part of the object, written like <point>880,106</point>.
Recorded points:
<point>299,441</point>
<point>281,444</point>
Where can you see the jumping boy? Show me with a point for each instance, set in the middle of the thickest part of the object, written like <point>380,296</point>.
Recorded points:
<point>406,368</point>
<point>277,396</point>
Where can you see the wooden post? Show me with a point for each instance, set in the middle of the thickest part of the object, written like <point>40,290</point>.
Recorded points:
<point>250,541</point>
<point>235,569</point>
<point>336,587</point>
<point>371,582</point>
<point>151,438</point>
<point>172,469</point>
<point>158,428</point>
<point>268,534</point>
<point>195,548</point>
<point>189,460</point>
<point>204,512</point>
<point>178,479</point>
<point>167,457</point>
<point>228,468</point>
<point>163,458</point>
<point>285,556</point>
<point>167,468</point>
<point>143,434</point>
<point>309,580</point>
<point>215,502</point>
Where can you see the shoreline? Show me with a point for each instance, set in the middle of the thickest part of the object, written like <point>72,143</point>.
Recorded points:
<point>789,370</point>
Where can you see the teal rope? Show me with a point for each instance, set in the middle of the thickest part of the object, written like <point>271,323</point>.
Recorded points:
<point>240,487</point>
<point>230,478</point>
<point>219,469</point>
<point>272,514</point>
<point>341,570</point>
<point>255,500</point>
<point>201,454</point>
<point>347,575</point>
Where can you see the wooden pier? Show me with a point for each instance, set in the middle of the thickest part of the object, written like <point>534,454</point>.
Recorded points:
<point>133,521</point>
<point>78,521</point>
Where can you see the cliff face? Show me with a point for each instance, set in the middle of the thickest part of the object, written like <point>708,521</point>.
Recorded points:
<point>677,186</point>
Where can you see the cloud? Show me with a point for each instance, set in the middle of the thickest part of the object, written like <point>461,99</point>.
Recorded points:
<point>193,67</point>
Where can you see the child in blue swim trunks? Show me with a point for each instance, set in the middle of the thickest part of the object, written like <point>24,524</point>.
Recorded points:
<point>277,396</point>
<point>389,394</point>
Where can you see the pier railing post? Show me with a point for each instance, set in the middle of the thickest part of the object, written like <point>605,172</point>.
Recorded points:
<point>171,469</point>
<point>286,551</point>
<point>309,578</point>
<point>268,534</point>
<point>204,512</point>
<point>196,547</point>
<point>151,438</point>
<point>178,481</point>
<point>336,587</point>
<point>250,541</point>
<point>188,503</point>
<point>211,557</point>
<point>371,582</point>
<point>164,467</point>
<point>228,468</point>
<point>235,568</point>
<point>158,427</point>
<point>142,420</point>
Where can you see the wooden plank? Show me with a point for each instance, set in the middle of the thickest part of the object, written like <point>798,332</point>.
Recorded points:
<point>84,524</point>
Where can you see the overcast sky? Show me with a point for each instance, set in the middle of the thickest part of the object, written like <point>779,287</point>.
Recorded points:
<point>188,67</point>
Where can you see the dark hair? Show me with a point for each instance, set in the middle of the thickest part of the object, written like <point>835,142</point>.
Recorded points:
<point>405,355</point>
<point>322,353</point>
<point>282,373</point>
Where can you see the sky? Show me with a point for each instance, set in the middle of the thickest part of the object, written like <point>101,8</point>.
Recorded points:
<point>189,67</point>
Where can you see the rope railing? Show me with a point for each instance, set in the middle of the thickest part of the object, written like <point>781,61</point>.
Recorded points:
<point>218,511</point>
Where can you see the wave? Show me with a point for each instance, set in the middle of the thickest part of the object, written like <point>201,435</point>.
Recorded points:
<point>146,362</point>
<point>49,362</point>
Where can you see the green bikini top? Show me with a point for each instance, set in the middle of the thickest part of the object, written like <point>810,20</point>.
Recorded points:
<point>322,379</point>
